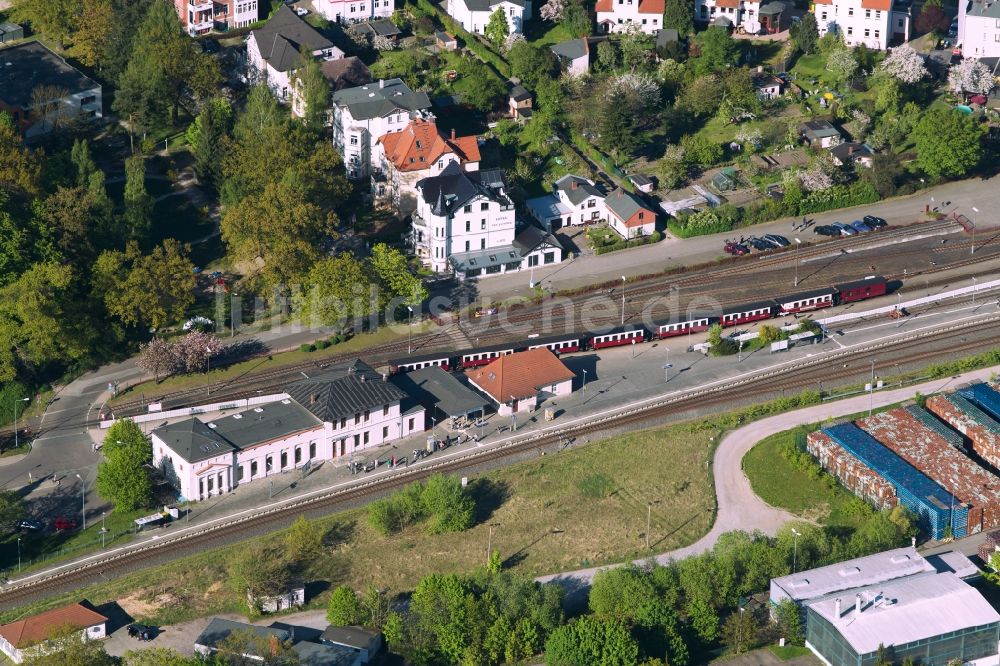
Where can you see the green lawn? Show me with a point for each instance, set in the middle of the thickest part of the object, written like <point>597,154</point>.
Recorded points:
<point>788,651</point>
<point>545,33</point>
<point>576,508</point>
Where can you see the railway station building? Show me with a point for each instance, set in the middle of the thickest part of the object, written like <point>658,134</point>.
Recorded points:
<point>346,410</point>
<point>519,382</point>
<point>875,469</point>
<point>939,452</point>
<point>975,413</point>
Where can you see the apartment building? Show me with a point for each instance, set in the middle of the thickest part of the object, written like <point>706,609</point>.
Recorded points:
<point>363,114</point>
<point>979,28</point>
<point>274,53</point>
<point>28,66</point>
<point>202,16</point>
<point>420,151</point>
<point>353,11</point>
<point>875,23</point>
<point>726,13</point>
<point>473,15</point>
<point>618,15</point>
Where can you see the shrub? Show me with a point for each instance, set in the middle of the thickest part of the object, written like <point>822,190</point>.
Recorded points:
<point>307,347</point>
<point>322,344</point>
<point>442,501</point>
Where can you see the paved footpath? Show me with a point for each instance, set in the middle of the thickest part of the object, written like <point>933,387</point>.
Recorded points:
<point>738,507</point>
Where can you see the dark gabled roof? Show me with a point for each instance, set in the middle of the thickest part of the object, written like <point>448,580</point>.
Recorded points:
<point>487,5</point>
<point>454,187</point>
<point>436,389</point>
<point>192,440</point>
<point>376,100</point>
<point>519,93</point>
<point>344,390</point>
<point>282,38</point>
<point>382,27</point>
<point>315,654</point>
<point>443,36</point>
<point>25,67</point>
<point>667,36</point>
<point>624,204</point>
<point>218,630</point>
<point>346,73</point>
<point>849,150</point>
<point>584,189</point>
<point>531,237</point>
<point>639,180</point>
<point>572,49</point>
<point>354,637</point>
<point>819,128</point>
<point>264,423</point>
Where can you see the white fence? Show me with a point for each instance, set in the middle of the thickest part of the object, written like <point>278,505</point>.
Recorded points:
<point>201,409</point>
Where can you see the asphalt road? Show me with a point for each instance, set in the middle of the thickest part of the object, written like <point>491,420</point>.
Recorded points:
<point>739,508</point>
<point>962,197</point>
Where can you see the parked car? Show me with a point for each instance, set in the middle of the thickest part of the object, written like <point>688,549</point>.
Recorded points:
<point>780,240</point>
<point>953,29</point>
<point>62,524</point>
<point>826,230</point>
<point>845,230</point>
<point>860,226</point>
<point>141,632</point>
<point>760,244</point>
<point>30,525</point>
<point>736,249</point>
<point>874,222</point>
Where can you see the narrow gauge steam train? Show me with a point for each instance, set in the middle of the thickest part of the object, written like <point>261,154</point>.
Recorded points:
<point>816,299</point>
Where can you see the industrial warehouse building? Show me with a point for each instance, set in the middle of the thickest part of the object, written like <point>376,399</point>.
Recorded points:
<point>940,464</point>
<point>927,444</point>
<point>938,511</point>
<point>897,599</point>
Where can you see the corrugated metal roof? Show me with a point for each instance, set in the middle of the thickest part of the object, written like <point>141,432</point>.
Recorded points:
<point>984,397</point>
<point>908,610</point>
<point>859,572</point>
<point>345,390</point>
<point>934,456</point>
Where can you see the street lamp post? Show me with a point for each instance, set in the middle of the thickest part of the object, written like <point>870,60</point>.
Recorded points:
<point>83,500</point>
<point>208,371</point>
<point>623,300</point>
<point>795,549</point>
<point>649,513</point>
<point>15,418</point>
<point>585,385</point>
<point>513,414</point>
<point>633,347</point>
<point>871,389</point>
<point>104,530</point>
<point>798,244</point>
<point>409,332</point>
<point>973,291</point>
<point>489,541</point>
<point>739,639</point>
<point>232,315</point>
<point>822,328</point>
<point>18,554</point>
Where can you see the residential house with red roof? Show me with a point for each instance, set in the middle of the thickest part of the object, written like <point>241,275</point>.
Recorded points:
<point>519,382</point>
<point>729,14</point>
<point>618,15</point>
<point>421,150</point>
<point>629,215</point>
<point>29,636</point>
<point>874,23</point>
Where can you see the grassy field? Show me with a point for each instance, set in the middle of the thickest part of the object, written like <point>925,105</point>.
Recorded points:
<point>576,508</point>
<point>776,481</point>
<point>384,335</point>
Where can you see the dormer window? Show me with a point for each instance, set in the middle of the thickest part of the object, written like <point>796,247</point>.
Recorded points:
<point>418,143</point>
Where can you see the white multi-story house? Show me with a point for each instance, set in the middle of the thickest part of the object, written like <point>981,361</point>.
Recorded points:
<point>737,13</point>
<point>465,223</point>
<point>473,15</point>
<point>618,15</point>
<point>328,417</point>
<point>201,16</point>
<point>274,53</point>
<point>31,66</point>
<point>874,23</point>
<point>418,152</point>
<point>352,11</point>
<point>575,200</point>
<point>363,114</point>
<point>979,28</point>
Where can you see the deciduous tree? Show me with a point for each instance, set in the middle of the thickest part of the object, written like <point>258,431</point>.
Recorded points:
<point>158,357</point>
<point>497,27</point>
<point>805,34</point>
<point>20,168</point>
<point>304,540</point>
<point>717,51</point>
<point>591,641</point>
<point>158,656</point>
<point>949,144</point>
<point>138,202</point>
<point>56,19</point>
<point>931,19</point>
<point>673,167</point>
<point>93,30</point>
<point>155,289</point>
<point>344,608</point>
<point>314,93</point>
<point>739,631</point>
<point>396,280</point>
<point>904,64</point>
<point>335,291</point>
<point>679,15</point>
<point>971,76</point>
<point>122,476</point>
<point>12,507</point>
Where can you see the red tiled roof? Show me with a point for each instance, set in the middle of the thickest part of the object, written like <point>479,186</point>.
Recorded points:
<point>520,375</point>
<point>727,3</point>
<point>882,5</point>
<point>604,6</point>
<point>651,6</point>
<point>419,145</point>
<point>39,627</point>
<point>823,2</point>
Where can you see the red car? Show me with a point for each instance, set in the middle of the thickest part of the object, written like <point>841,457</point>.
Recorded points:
<point>62,523</point>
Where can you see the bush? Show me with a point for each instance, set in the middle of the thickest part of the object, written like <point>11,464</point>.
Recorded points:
<point>442,501</point>
<point>322,344</point>
<point>306,347</point>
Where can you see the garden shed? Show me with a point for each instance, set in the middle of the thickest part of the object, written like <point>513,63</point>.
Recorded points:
<point>726,180</point>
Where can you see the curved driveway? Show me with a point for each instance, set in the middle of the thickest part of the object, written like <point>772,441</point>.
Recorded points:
<point>738,507</point>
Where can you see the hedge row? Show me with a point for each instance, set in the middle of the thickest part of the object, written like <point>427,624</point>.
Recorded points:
<point>655,237</point>
<point>322,344</point>
<point>472,42</point>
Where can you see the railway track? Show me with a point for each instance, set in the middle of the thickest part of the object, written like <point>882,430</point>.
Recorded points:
<point>907,349</point>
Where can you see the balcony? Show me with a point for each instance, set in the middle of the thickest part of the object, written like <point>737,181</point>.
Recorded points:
<point>201,6</point>
<point>200,26</point>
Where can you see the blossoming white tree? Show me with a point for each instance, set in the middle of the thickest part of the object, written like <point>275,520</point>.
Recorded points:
<point>904,64</point>
<point>511,40</point>
<point>643,86</point>
<point>971,75</point>
<point>553,10</point>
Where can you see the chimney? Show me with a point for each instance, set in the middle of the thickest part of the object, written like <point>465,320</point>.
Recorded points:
<point>385,377</point>
<point>857,606</point>
<point>362,378</point>
<point>760,69</point>
<point>620,192</point>
<point>586,45</point>
<point>452,133</point>
<point>381,84</point>
<point>913,542</point>
<point>572,185</point>
<point>850,150</point>
<point>836,608</point>
<point>312,398</point>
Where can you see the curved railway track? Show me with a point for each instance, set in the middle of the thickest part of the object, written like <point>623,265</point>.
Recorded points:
<point>907,349</point>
